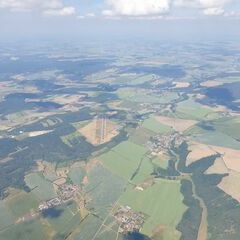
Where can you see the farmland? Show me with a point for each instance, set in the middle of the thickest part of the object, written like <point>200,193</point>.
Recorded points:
<point>124,159</point>
<point>192,110</point>
<point>42,188</point>
<point>162,203</point>
<point>155,126</point>
<point>99,143</point>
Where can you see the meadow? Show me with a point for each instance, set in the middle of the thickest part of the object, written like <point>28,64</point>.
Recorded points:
<point>140,135</point>
<point>25,231</point>
<point>7,218</point>
<point>162,202</point>
<point>76,175</point>
<point>141,96</point>
<point>123,159</point>
<point>104,188</point>
<point>153,125</point>
<point>68,218</point>
<point>214,137</point>
<point>21,203</point>
<point>189,109</point>
<point>41,188</point>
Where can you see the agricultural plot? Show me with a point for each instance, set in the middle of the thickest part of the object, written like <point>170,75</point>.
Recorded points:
<point>76,175</point>
<point>99,131</point>
<point>21,203</point>
<point>228,125</point>
<point>140,135</point>
<point>190,109</point>
<point>219,81</point>
<point>154,125</point>
<point>71,138</point>
<point>64,218</point>
<point>48,170</point>
<point>87,229</point>
<point>119,165</point>
<point>230,185</point>
<point>143,172</point>
<point>161,161</point>
<point>181,84</point>
<point>229,156</point>
<point>25,231</point>
<point>198,151</point>
<point>104,189</point>
<point>80,124</point>
<point>50,122</point>
<point>177,124</point>
<point>162,203</point>
<point>7,219</point>
<point>133,79</point>
<point>142,96</point>
<point>219,167</point>
<point>213,138</point>
<point>124,159</point>
<point>40,187</point>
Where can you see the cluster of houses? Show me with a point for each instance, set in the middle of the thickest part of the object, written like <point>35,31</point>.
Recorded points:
<point>66,192</point>
<point>129,220</point>
<point>162,143</point>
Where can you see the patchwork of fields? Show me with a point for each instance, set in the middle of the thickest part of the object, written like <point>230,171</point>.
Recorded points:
<point>128,144</point>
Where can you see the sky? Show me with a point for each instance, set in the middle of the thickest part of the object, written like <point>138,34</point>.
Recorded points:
<point>108,18</point>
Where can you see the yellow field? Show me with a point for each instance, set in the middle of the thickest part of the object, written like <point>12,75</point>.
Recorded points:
<point>177,124</point>
<point>99,131</point>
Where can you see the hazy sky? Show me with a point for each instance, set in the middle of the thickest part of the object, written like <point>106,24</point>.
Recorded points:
<point>107,18</point>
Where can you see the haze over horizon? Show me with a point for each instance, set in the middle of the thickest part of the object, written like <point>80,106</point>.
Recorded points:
<point>159,19</point>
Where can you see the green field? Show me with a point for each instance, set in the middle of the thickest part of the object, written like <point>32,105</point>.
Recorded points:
<point>153,125</point>
<point>162,203</point>
<point>123,159</point>
<point>87,229</point>
<point>133,79</point>
<point>104,188</point>
<point>161,161</point>
<point>144,171</point>
<point>215,137</point>
<point>21,203</point>
<point>190,109</point>
<point>25,231</point>
<point>6,218</point>
<point>67,220</point>
<point>50,176</point>
<point>140,135</point>
<point>229,126</point>
<point>140,96</point>
<point>42,188</point>
<point>76,175</point>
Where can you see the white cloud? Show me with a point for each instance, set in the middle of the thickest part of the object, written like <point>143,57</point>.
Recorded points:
<point>158,8</point>
<point>208,7</point>
<point>213,11</point>
<point>87,15</point>
<point>214,7</point>
<point>81,17</point>
<point>48,7</point>
<point>65,11</point>
<point>90,15</point>
<point>185,3</point>
<point>137,8</point>
<point>232,14</point>
<point>214,3</point>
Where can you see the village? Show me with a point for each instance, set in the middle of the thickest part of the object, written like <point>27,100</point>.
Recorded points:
<point>66,192</point>
<point>129,220</point>
<point>161,143</point>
